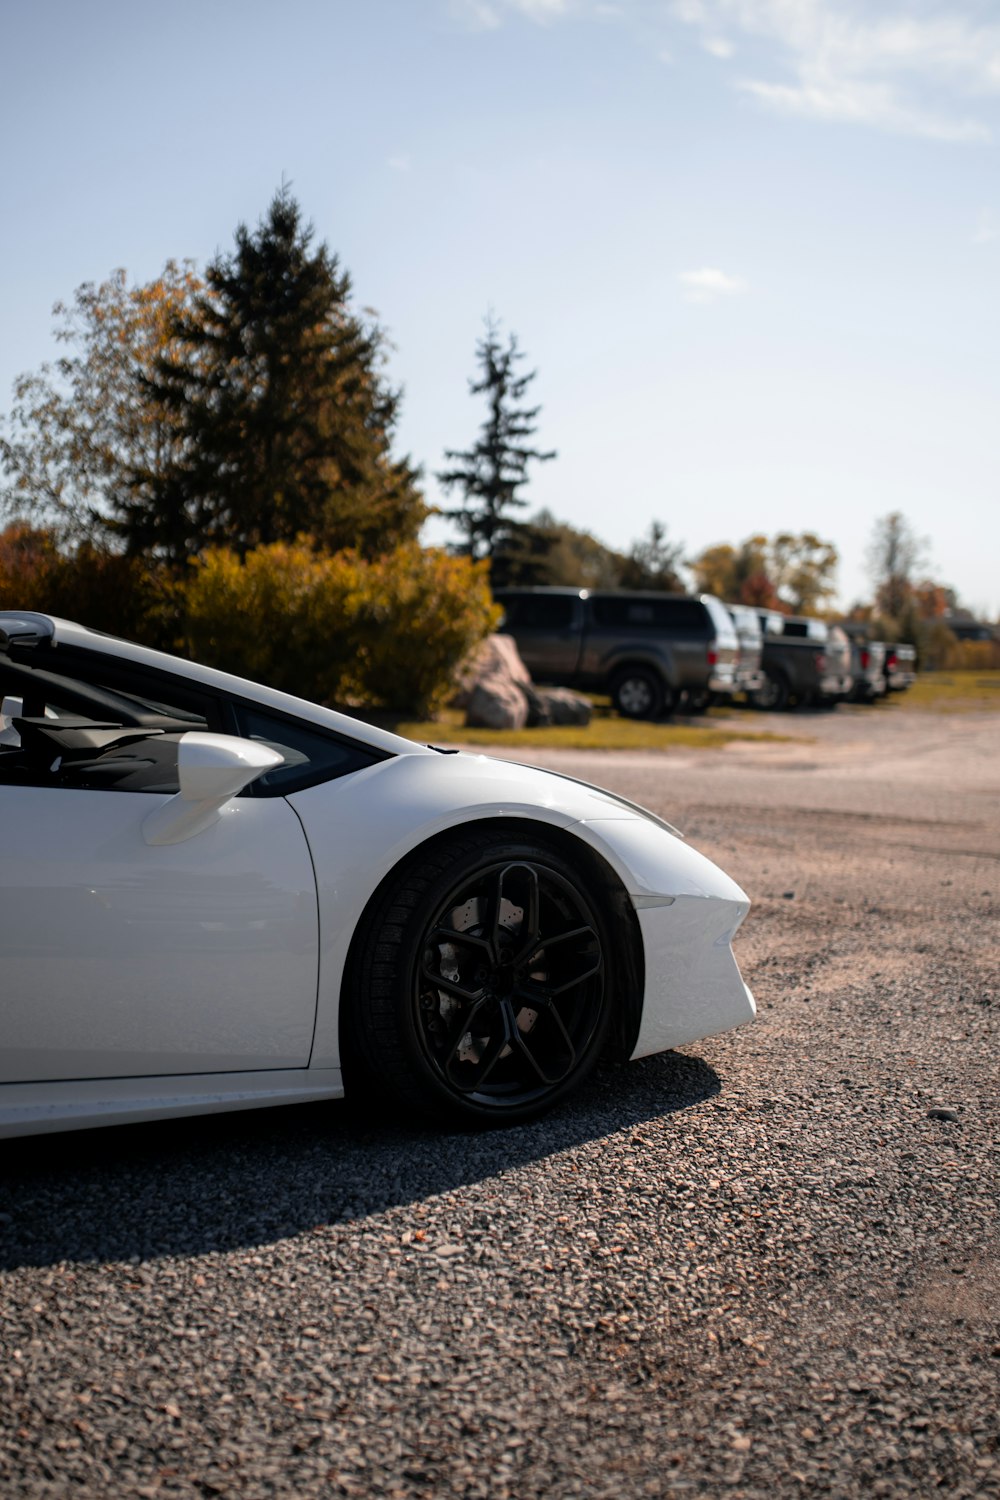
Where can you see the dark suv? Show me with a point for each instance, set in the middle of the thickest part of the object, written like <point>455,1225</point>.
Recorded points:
<point>648,650</point>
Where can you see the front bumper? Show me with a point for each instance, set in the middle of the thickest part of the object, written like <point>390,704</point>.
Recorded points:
<point>688,912</point>
<point>693,983</point>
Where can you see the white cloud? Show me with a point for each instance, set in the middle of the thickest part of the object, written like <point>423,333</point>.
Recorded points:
<point>691,12</point>
<point>916,67</point>
<point>709,284</point>
<point>541,11</point>
<point>489,15</point>
<point>852,101</point>
<point>476,15</point>
<point>854,63</point>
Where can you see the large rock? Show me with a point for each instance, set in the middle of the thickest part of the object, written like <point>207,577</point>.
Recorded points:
<point>496,688</point>
<point>496,703</point>
<point>495,658</point>
<point>561,706</point>
<point>496,691</point>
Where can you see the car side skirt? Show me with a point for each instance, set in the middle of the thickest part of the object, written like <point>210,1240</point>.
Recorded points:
<point>37,1108</point>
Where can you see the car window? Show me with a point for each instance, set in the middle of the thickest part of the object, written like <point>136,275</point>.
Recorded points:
<point>806,630</point>
<point>682,618</point>
<point>60,730</point>
<point>745,619</point>
<point>539,611</point>
<point>724,628</point>
<point>310,755</point>
<point>73,753</point>
<point>97,694</point>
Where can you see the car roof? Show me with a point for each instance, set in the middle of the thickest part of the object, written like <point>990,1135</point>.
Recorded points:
<point>25,630</point>
<point>596,593</point>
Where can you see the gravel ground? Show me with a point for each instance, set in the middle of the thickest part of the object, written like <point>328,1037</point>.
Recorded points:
<point>767,1266</point>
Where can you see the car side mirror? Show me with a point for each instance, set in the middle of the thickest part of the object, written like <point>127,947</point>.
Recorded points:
<point>212,769</point>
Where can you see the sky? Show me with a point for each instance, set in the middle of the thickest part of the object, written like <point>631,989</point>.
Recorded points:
<point>751,247</point>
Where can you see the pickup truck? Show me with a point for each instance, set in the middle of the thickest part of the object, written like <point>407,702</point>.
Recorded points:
<point>749,673</point>
<point>647,650</point>
<point>868,670</point>
<point>804,660</point>
<point>900,668</point>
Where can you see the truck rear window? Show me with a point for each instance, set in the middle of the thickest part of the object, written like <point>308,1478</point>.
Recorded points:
<point>538,611</point>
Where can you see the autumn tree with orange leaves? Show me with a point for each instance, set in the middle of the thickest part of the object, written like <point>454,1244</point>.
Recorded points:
<point>81,429</point>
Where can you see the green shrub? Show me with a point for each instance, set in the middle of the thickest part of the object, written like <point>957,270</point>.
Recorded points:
<point>337,628</point>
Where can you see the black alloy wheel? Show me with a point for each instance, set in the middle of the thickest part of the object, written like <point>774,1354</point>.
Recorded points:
<point>484,988</point>
<point>639,693</point>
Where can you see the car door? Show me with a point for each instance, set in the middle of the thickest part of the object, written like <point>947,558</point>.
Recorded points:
<point>123,958</point>
<point>548,629</point>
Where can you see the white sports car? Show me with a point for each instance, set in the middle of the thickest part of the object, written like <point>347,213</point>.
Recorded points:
<point>215,896</point>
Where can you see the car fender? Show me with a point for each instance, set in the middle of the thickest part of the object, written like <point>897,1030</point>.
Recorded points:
<point>360,828</point>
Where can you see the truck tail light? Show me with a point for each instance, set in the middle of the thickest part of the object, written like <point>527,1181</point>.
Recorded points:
<point>820,662</point>
<point>864,660</point>
<point>713,656</point>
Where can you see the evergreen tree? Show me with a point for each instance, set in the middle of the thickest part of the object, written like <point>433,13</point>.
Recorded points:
<point>546,551</point>
<point>490,473</point>
<point>277,386</point>
<point>654,563</point>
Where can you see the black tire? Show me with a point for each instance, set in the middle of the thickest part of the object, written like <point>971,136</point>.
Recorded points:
<point>773,695</point>
<point>639,693</point>
<point>480,988</point>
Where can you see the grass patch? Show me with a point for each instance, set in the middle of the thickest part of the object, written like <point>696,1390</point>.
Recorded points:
<point>951,693</point>
<point>606,731</point>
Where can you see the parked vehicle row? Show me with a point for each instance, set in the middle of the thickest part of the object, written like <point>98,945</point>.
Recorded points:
<point>650,652</point>
<point>654,652</point>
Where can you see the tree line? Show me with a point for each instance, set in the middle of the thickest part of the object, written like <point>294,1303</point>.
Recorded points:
<point>199,421</point>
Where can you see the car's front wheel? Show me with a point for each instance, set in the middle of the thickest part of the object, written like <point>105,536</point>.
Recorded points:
<point>480,987</point>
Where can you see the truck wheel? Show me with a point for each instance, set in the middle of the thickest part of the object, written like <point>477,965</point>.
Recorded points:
<point>773,695</point>
<point>638,693</point>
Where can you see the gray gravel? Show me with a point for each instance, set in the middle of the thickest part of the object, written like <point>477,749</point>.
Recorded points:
<point>767,1266</point>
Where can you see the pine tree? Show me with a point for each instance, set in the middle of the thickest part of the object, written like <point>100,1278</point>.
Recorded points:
<point>653,562</point>
<point>490,473</point>
<point>278,388</point>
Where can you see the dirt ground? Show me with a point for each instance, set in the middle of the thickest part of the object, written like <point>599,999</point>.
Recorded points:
<point>765,1266</point>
